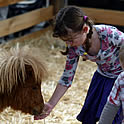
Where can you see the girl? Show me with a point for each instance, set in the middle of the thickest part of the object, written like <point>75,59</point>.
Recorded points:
<point>98,43</point>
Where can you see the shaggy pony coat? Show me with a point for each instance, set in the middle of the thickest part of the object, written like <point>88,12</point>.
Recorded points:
<point>21,73</point>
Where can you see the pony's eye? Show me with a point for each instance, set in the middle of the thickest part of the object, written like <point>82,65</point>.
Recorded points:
<point>34,88</point>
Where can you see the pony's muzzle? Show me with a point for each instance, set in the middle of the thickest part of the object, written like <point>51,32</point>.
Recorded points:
<point>38,110</point>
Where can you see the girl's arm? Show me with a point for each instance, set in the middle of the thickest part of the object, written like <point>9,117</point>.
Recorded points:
<point>58,93</point>
<point>108,113</point>
<point>64,83</point>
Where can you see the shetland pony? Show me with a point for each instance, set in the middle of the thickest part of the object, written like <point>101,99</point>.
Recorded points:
<point>21,74</point>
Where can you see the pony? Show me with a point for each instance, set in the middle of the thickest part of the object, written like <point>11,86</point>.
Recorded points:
<point>21,73</point>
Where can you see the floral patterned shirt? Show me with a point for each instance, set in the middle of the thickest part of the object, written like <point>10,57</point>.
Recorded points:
<point>107,59</point>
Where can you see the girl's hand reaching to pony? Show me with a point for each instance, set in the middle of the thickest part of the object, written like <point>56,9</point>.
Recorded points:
<point>46,111</point>
<point>58,93</point>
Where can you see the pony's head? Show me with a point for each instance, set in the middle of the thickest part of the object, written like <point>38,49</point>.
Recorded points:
<point>21,73</point>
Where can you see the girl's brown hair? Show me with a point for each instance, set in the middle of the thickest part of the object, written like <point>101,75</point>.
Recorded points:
<point>71,17</point>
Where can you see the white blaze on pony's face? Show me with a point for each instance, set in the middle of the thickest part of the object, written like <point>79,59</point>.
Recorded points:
<point>21,73</point>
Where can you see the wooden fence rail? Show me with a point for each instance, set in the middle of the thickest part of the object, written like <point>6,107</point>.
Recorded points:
<point>105,16</point>
<point>26,20</point>
<point>29,19</point>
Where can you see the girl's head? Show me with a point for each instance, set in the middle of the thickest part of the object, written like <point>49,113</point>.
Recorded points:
<point>72,25</point>
<point>121,56</point>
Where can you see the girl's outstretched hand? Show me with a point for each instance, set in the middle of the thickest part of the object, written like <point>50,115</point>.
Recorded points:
<point>46,111</point>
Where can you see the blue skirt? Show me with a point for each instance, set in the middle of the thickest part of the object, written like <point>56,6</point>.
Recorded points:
<point>96,98</point>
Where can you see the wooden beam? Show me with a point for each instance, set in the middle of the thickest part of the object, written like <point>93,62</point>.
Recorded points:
<point>8,2</point>
<point>31,36</point>
<point>105,16</point>
<point>24,21</point>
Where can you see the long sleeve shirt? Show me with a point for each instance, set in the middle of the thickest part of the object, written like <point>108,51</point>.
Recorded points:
<point>107,59</point>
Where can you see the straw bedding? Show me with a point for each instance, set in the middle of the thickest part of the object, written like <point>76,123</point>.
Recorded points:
<point>69,106</point>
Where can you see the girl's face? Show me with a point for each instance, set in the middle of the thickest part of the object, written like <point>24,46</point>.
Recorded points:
<point>75,39</point>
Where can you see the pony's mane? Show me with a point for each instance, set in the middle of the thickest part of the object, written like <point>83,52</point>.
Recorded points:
<point>12,63</point>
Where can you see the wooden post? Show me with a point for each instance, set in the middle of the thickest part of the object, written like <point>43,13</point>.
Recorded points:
<point>58,4</point>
